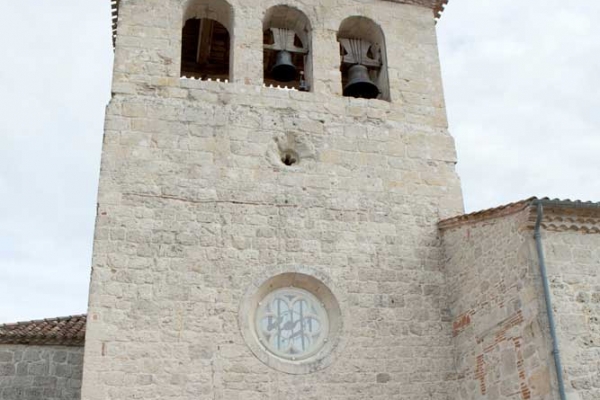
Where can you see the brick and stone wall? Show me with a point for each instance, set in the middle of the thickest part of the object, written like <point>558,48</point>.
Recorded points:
<point>573,261</point>
<point>495,300</point>
<point>195,204</point>
<point>30,372</point>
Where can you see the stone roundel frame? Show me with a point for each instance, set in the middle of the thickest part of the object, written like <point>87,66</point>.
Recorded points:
<point>316,283</point>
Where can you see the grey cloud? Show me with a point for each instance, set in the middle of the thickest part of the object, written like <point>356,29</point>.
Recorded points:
<point>55,83</point>
<point>521,88</point>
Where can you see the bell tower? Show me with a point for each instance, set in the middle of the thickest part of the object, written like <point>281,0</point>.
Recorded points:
<point>272,177</point>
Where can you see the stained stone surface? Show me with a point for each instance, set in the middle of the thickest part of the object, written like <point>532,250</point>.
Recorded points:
<point>499,323</point>
<point>495,299</point>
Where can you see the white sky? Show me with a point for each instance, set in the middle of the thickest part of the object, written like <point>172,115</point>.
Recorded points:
<point>522,84</point>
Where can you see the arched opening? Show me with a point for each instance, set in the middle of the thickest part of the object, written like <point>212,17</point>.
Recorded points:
<point>363,59</point>
<point>206,44</point>
<point>286,43</point>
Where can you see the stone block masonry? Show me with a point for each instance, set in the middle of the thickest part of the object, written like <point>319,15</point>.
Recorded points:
<point>263,244</point>
<point>572,248</point>
<point>190,214</point>
<point>496,300</point>
<point>30,372</point>
<point>495,297</point>
<point>195,204</point>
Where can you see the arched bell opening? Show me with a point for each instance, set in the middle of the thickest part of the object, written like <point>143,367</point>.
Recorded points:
<point>363,64</point>
<point>286,44</point>
<point>206,43</point>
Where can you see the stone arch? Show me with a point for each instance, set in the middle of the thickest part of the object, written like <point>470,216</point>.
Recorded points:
<point>362,41</point>
<point>286,28</point>
<point>207,39</point>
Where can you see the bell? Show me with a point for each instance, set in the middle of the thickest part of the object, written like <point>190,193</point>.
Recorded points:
<point>283,70</point>
<point>359,84</point>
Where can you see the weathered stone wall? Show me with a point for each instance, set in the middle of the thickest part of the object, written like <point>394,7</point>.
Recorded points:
<point>495,296</point>
<point>29,372</point>
<point>194,204</point>
<point>573,263</point>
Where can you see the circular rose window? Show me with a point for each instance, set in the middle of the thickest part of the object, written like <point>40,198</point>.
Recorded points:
<point>291,323</point>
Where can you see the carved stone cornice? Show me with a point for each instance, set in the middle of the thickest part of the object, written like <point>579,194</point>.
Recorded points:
<point>436,5</point>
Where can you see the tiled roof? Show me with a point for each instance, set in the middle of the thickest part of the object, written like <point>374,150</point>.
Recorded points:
<point>512,208</point>
<point>68,331</point>
<point>489,213</point>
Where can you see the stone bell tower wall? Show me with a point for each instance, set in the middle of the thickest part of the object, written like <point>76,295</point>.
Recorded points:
<point>195,205</point>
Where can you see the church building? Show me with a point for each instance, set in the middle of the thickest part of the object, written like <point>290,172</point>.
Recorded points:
<point>279,217</point>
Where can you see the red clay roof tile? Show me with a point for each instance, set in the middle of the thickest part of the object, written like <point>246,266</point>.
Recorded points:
<point>68,331</point>
<point>517,206</point>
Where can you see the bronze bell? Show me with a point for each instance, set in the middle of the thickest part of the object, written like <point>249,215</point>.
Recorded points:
<point>360,84</point>
<point>283,70</point>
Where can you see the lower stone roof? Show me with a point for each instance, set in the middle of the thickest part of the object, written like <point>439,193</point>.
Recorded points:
<point>65,331</point>
<point>576,214</point>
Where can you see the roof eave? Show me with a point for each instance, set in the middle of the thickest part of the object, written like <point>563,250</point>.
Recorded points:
<point>512,208</point>
<point>61,331</point>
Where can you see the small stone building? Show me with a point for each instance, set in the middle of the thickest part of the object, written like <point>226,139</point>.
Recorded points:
<point>279,217</point>
<point>495,296</point>
<point>42,359</point>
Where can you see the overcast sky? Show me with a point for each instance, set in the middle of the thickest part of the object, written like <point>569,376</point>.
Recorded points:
<point>522,90</point>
